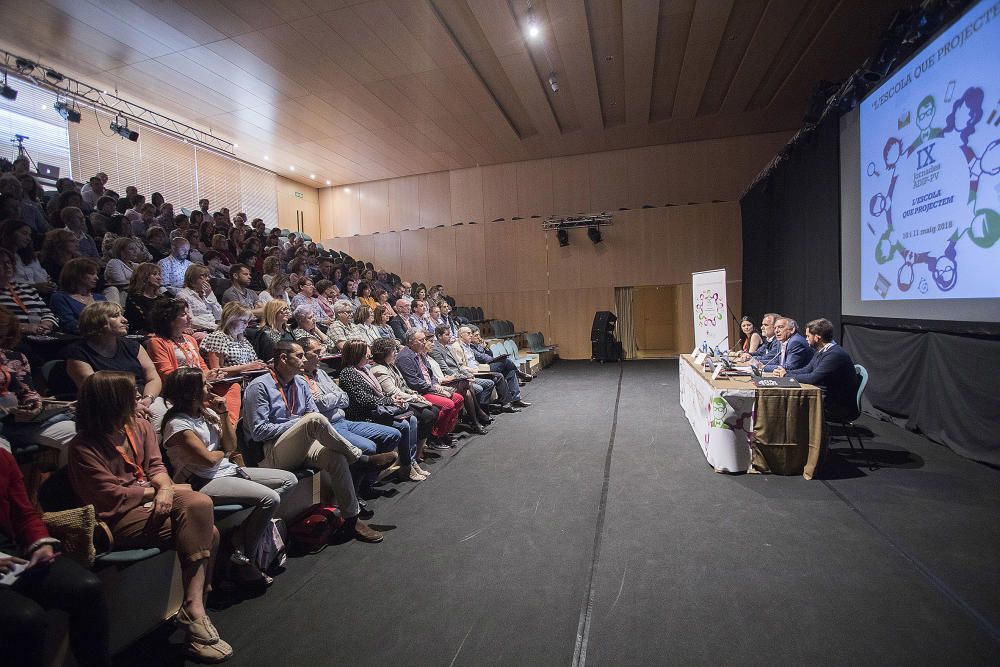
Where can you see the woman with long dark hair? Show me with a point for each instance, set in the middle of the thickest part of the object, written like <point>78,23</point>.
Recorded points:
<point>201,444</point>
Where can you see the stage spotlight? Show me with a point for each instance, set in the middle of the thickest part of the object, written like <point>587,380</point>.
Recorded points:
<point>6,90</point>
<point>120,127</point>
<point>563,237</point>
<point>68,112</point>
<point>54,75</point>
<point>594,234</point>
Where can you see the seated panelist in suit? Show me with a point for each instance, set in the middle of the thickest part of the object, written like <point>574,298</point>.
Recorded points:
<point>792,351</point>
<point>831,369</point>
<point>769,346</point>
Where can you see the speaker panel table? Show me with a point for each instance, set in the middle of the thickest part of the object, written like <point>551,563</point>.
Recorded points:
<point>742,428</point>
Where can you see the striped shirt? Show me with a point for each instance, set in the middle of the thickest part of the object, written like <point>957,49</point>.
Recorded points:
<point>26,304</point>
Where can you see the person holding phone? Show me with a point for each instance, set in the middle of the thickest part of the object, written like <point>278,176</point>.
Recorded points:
<point>42,582</point>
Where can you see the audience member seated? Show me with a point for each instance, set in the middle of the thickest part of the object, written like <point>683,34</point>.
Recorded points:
<point>216,268</point>
<point>144,288</point>
<point>307,328</point>
<point>92,191</point>
<point>412,364</point>
<point>15,236</point>
<point>126,253</point>
<point>196,254</point>
<point>197,292</point>
<point>157,244</point>
<point>400,322</point>
<point>750,340</point>
<point>364,327</point>
<point>273,330</point>
<point>76,282</point>
<point>331,401</point>
<point>831,369</point>
<point>342,328</point>
<point>272,268</point>
<point>73,219</point>
<point>384,369</point>
<point>278,289</point>
<point>369,402</point>
<point>23,417</point>
<point>307,297</point>
<point>115,465</point>
<point>239,289</point>
<point>380,322</point>
<point>448,320</point>
<point>504,375</point>
<point>59,246</point>
<point>31,210</point>
<point>134,212</point>
<point>475,390</point>
<point>105,347</point>
<point>100,218</point>
<point>174,267</point>
<point>47,582</point>
<point>23,301</point>
<point>200,441</point>
<point>228,350</point>
<point>326,296</point>
<point>792,352</point>
<point>365,297</point>
<point>279,413</point>
<point>418,318</point>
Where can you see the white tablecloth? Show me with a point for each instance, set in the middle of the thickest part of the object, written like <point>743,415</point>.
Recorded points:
<point>721,416</point>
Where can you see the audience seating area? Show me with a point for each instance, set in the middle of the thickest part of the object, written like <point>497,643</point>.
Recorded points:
<point>224,267</point>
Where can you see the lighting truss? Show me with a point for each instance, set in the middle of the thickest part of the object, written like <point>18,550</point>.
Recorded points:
<point>69,88</point>
<point>573,221</point>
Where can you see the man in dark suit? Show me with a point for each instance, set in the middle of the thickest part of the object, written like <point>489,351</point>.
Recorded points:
<point>793,351</point>
<point>770,347</point>
<point>831,369</point>
<point>400,322</point>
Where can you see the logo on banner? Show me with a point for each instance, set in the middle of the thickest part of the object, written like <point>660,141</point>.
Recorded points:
<point>709,309</point>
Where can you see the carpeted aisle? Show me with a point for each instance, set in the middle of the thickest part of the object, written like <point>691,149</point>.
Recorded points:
<point>491,560</point>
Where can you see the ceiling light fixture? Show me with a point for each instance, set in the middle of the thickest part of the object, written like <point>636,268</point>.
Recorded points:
<point>266,158</point>
<point>291,167</point>
<point>120,127</point>
<point>329,183</point>
<point>312,175</point>
<point>553,83</point>
<point>347,191</point>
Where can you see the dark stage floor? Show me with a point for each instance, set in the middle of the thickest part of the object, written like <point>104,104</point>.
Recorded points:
<point>493,560</point>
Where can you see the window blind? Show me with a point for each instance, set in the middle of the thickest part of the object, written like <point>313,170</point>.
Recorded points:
<point>33,116</point>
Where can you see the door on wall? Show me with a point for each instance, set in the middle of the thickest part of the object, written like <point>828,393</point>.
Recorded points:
<point>654,318</point>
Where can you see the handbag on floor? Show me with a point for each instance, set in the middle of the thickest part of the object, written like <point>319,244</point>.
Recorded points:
<point>312,530</point>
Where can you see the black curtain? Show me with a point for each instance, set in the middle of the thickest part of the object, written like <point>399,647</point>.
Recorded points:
<point>791,233</point>
<point>923,375</point>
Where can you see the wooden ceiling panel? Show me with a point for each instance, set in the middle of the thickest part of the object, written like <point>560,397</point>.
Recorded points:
<point>707,26</point>
<point>356,90</point>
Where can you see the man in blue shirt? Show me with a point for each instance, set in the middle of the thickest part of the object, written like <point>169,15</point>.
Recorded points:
<point>793,352</point>
<point>280,413</point>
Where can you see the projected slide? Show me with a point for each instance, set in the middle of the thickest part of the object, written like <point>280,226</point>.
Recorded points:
<point>930,170</point>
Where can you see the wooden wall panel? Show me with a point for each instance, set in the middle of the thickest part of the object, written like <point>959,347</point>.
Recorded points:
<point>571,185</point>
<point>441,257</point>
<point>374,201</point>
<point>534,188</point>
<point>499,192</point>
<point>387,252</point>
<point>361,247</point>
<point>648,172</point>
<point>502,306</point>
<point>534,312</point>
<point>470,259</point>
<point>434,197</point>
<point>572,316</point>
<point>413,255</point>
<point>327,220</point>
<point>530,257</point>
<point>466,195</point>
<point>347,210</point>
<point>609,189</point>
<point>404,204</point>
<point>500,251</point>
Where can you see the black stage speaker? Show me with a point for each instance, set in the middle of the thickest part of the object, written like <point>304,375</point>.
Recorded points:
<point>603,346</point>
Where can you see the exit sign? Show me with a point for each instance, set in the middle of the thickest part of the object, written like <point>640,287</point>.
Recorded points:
<point>298,195</point>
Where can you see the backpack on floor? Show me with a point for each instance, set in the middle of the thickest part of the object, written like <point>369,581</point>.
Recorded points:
<point>312,530</point>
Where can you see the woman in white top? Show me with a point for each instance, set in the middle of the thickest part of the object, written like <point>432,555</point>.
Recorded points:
<point>124,255</point>
<point>278,289</point>
<point>197,291</point>
<point>364,327</point>
<point>201,444</point>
